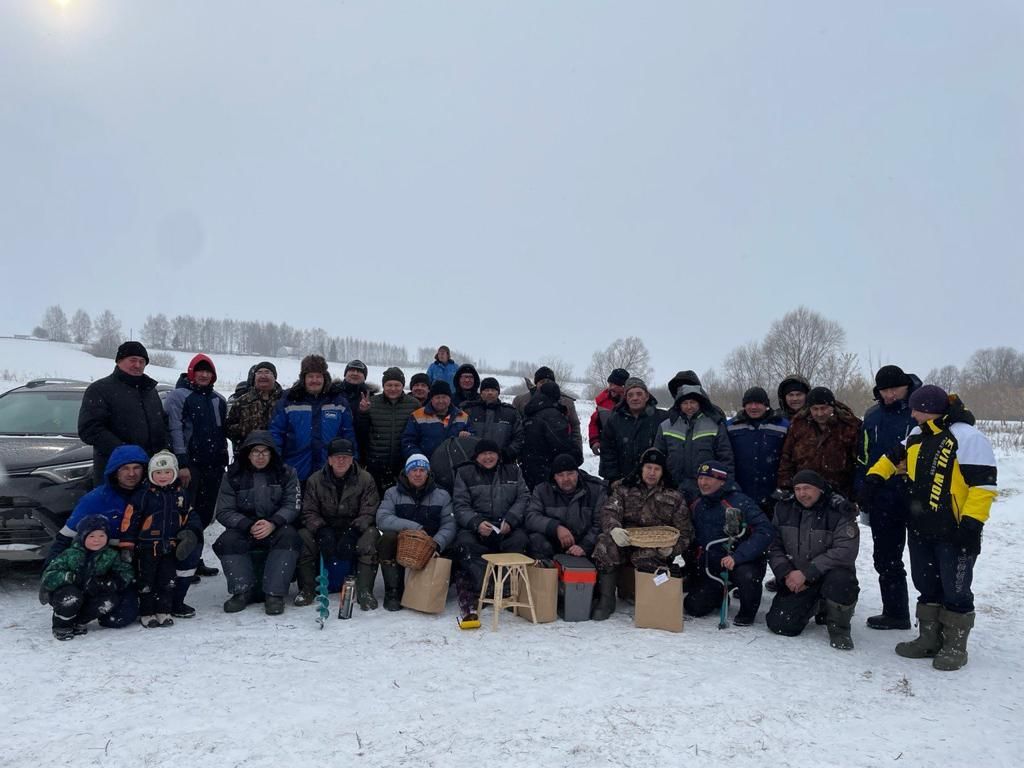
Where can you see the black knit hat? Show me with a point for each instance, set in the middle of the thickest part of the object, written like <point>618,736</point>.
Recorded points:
<point>929,399</point>
<point>564,463</point>
<point>131,349</point>
<point>821,396</point>
<point>340,446</point>
<point>756,395</point>
<point>484,446</point>
<point>543,373</point>
<point>419,378</point>
<point>393,373</point>
<point>889,376</point>
<point>810,477</point>
<point>490,383</point>
<point>90,523</point>
<point>440,387</point>
<point>265,364</point>
<point>551,391</point>
<point>618,376</point>
<point>357,365</point>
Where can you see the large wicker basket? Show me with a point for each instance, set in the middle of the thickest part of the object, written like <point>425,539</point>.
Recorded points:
<point>653,536</point>
<point>415,548</point>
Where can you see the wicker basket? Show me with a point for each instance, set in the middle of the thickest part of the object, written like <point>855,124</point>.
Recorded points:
<point>653,536</point>
<point>415,548</point>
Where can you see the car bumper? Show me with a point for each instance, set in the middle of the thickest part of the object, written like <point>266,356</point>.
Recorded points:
<point>31,514</point>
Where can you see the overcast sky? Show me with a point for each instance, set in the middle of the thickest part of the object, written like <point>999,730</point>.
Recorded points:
<point>520,179</point>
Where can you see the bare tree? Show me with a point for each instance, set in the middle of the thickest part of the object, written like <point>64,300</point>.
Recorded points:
<point>947,377</point>
<point>802,342</point>
<point>562,369</point>
<point>56,324</point>
<point>995,365</point>
<point>81,327</point>
<point>156,331</point>
<point>108,335</point>
<point>629,353</point>
<point>746,366</point>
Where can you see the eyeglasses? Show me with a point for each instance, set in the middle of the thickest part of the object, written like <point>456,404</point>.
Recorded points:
<point>259,452</point>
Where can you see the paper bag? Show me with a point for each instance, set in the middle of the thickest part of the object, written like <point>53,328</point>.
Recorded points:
<point>544,588</point>
<point>426,590</point>
<point>659,601</point>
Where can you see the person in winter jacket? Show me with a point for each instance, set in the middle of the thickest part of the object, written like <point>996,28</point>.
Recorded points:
<point>357,391</point>
<point>545,375</point>
<point>443,368</point>
<point>643,498</point>
<point>435,422</point>
<point>693,433</point>
<point>490,509</point>
<point>125,470</point>
<point>338,512</point>
<point>494,420</point>
<point>604,403</point>
<point>887,423</point>
<point>86,580</point>
<point>792,393</point>
<point>631,429</point>
<point>253,407</point>
<point>721,512</point>
<point>814,557</point>
<point>386,419</point>
<point>467,385</point>
<point>563,515</point>
<point>822,437</point>
<point>196,416</point>
<point>546,434</point>
<point>413,503</point>
<point>159,530</point>
<point>122,409</point>
<point>756,435</point>
<point>950,479</point>
<point>311,414</point>
<point>257,505</point>
<point>419,387</point>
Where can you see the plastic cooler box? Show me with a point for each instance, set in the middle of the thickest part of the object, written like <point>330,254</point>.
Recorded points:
<point>576,579</point>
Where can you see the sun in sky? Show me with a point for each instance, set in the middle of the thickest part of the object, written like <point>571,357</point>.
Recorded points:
<point>61,3</point>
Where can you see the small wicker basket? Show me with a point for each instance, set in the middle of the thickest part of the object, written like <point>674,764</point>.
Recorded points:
<point>653,536</point>
<point>415,548</point>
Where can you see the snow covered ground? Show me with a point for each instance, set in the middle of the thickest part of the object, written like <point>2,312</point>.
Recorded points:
<point>408,689</point>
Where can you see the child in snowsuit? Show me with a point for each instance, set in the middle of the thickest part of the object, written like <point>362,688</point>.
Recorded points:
<point>83,581</point>
<point>160,529</point>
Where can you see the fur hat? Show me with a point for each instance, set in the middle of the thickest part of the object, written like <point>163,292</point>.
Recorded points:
<point>618,376</point>
<point>652,456</point>
<point>312,364</point>
<point>683,377</point>
<point>163,460</point>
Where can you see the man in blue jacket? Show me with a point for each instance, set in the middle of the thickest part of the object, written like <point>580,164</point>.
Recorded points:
<point>757,434</point>
<point>886,424</point>
<point>719,512</point>
<point>311,414</point>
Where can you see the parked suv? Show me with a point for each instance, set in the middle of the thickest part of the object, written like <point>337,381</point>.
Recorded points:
<point>44,467</point>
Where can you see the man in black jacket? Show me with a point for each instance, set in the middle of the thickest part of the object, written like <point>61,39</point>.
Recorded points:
<point>629,431</point>
<point>495,420</point>
<point>122,409</point>
<point>563,515</point>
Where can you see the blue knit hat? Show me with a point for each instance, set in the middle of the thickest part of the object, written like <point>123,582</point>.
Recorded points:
<point>417,461</point>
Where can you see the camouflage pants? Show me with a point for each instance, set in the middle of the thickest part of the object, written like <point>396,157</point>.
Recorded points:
<point>608,556</point>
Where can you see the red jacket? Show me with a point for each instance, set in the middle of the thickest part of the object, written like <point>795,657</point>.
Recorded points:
<point>604,405</point>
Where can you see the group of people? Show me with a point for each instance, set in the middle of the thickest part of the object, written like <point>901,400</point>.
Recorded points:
<point>333,471</point>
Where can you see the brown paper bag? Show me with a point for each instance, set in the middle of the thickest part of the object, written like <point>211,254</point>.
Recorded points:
<point>544,588</point>
<point>426,590</point>
<point>659,606</point>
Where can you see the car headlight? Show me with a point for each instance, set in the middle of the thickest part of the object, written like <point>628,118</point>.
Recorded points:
<point>65,473</point>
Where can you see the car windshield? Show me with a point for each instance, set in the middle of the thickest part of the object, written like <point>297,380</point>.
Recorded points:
<point>40,413</point>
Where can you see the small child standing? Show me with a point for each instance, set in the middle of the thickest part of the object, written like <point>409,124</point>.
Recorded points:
<point>159,527</point>
<point>82,583</point>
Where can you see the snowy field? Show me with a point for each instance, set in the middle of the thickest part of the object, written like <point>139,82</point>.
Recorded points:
<point>408,689</point>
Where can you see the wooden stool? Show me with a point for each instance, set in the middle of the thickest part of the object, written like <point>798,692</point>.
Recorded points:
<point>501,568</point>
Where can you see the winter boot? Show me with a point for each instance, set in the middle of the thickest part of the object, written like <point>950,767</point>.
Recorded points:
<point>205,570</point>
<point>366,575</point>
<point>237,603</point>
<point>149,622</point>
<point>183,611</point>
<point>956,627</point>
<point>165,620</point>
<point>928,642</point>
<point>837,621</point>
<point>81,629</point>
<point>64,633</point>
<point>304,598</point>
<point>273,605</point>
<point>881,621</point>
<point>392,574</point>
<point>606,582</point>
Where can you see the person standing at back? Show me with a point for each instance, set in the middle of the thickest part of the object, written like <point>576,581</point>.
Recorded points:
<point>443,368</point>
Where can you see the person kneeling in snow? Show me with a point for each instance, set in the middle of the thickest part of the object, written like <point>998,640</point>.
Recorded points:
<point>161,529</point>
<point>414,503</point>
<point>84,581</point>
<point>257,503</point>
<point>563,514</point>
<point>814,557</point>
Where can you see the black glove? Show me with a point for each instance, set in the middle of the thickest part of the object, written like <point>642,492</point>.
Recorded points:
<point>869,490</point>
<point>327,541</point>
<point>187,541</point>
<point>100,585</point>
<point>44,595</point>
<point>968,535</point>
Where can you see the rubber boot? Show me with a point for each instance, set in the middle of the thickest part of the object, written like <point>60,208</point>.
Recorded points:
<point>606,582</point>
<point>392,573</point>
<point>237,602</point>
<point>928,642</point>
<point>305,574</point>
<point>837,622</point>
<point>366,575</point>
<point>956,628</point>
